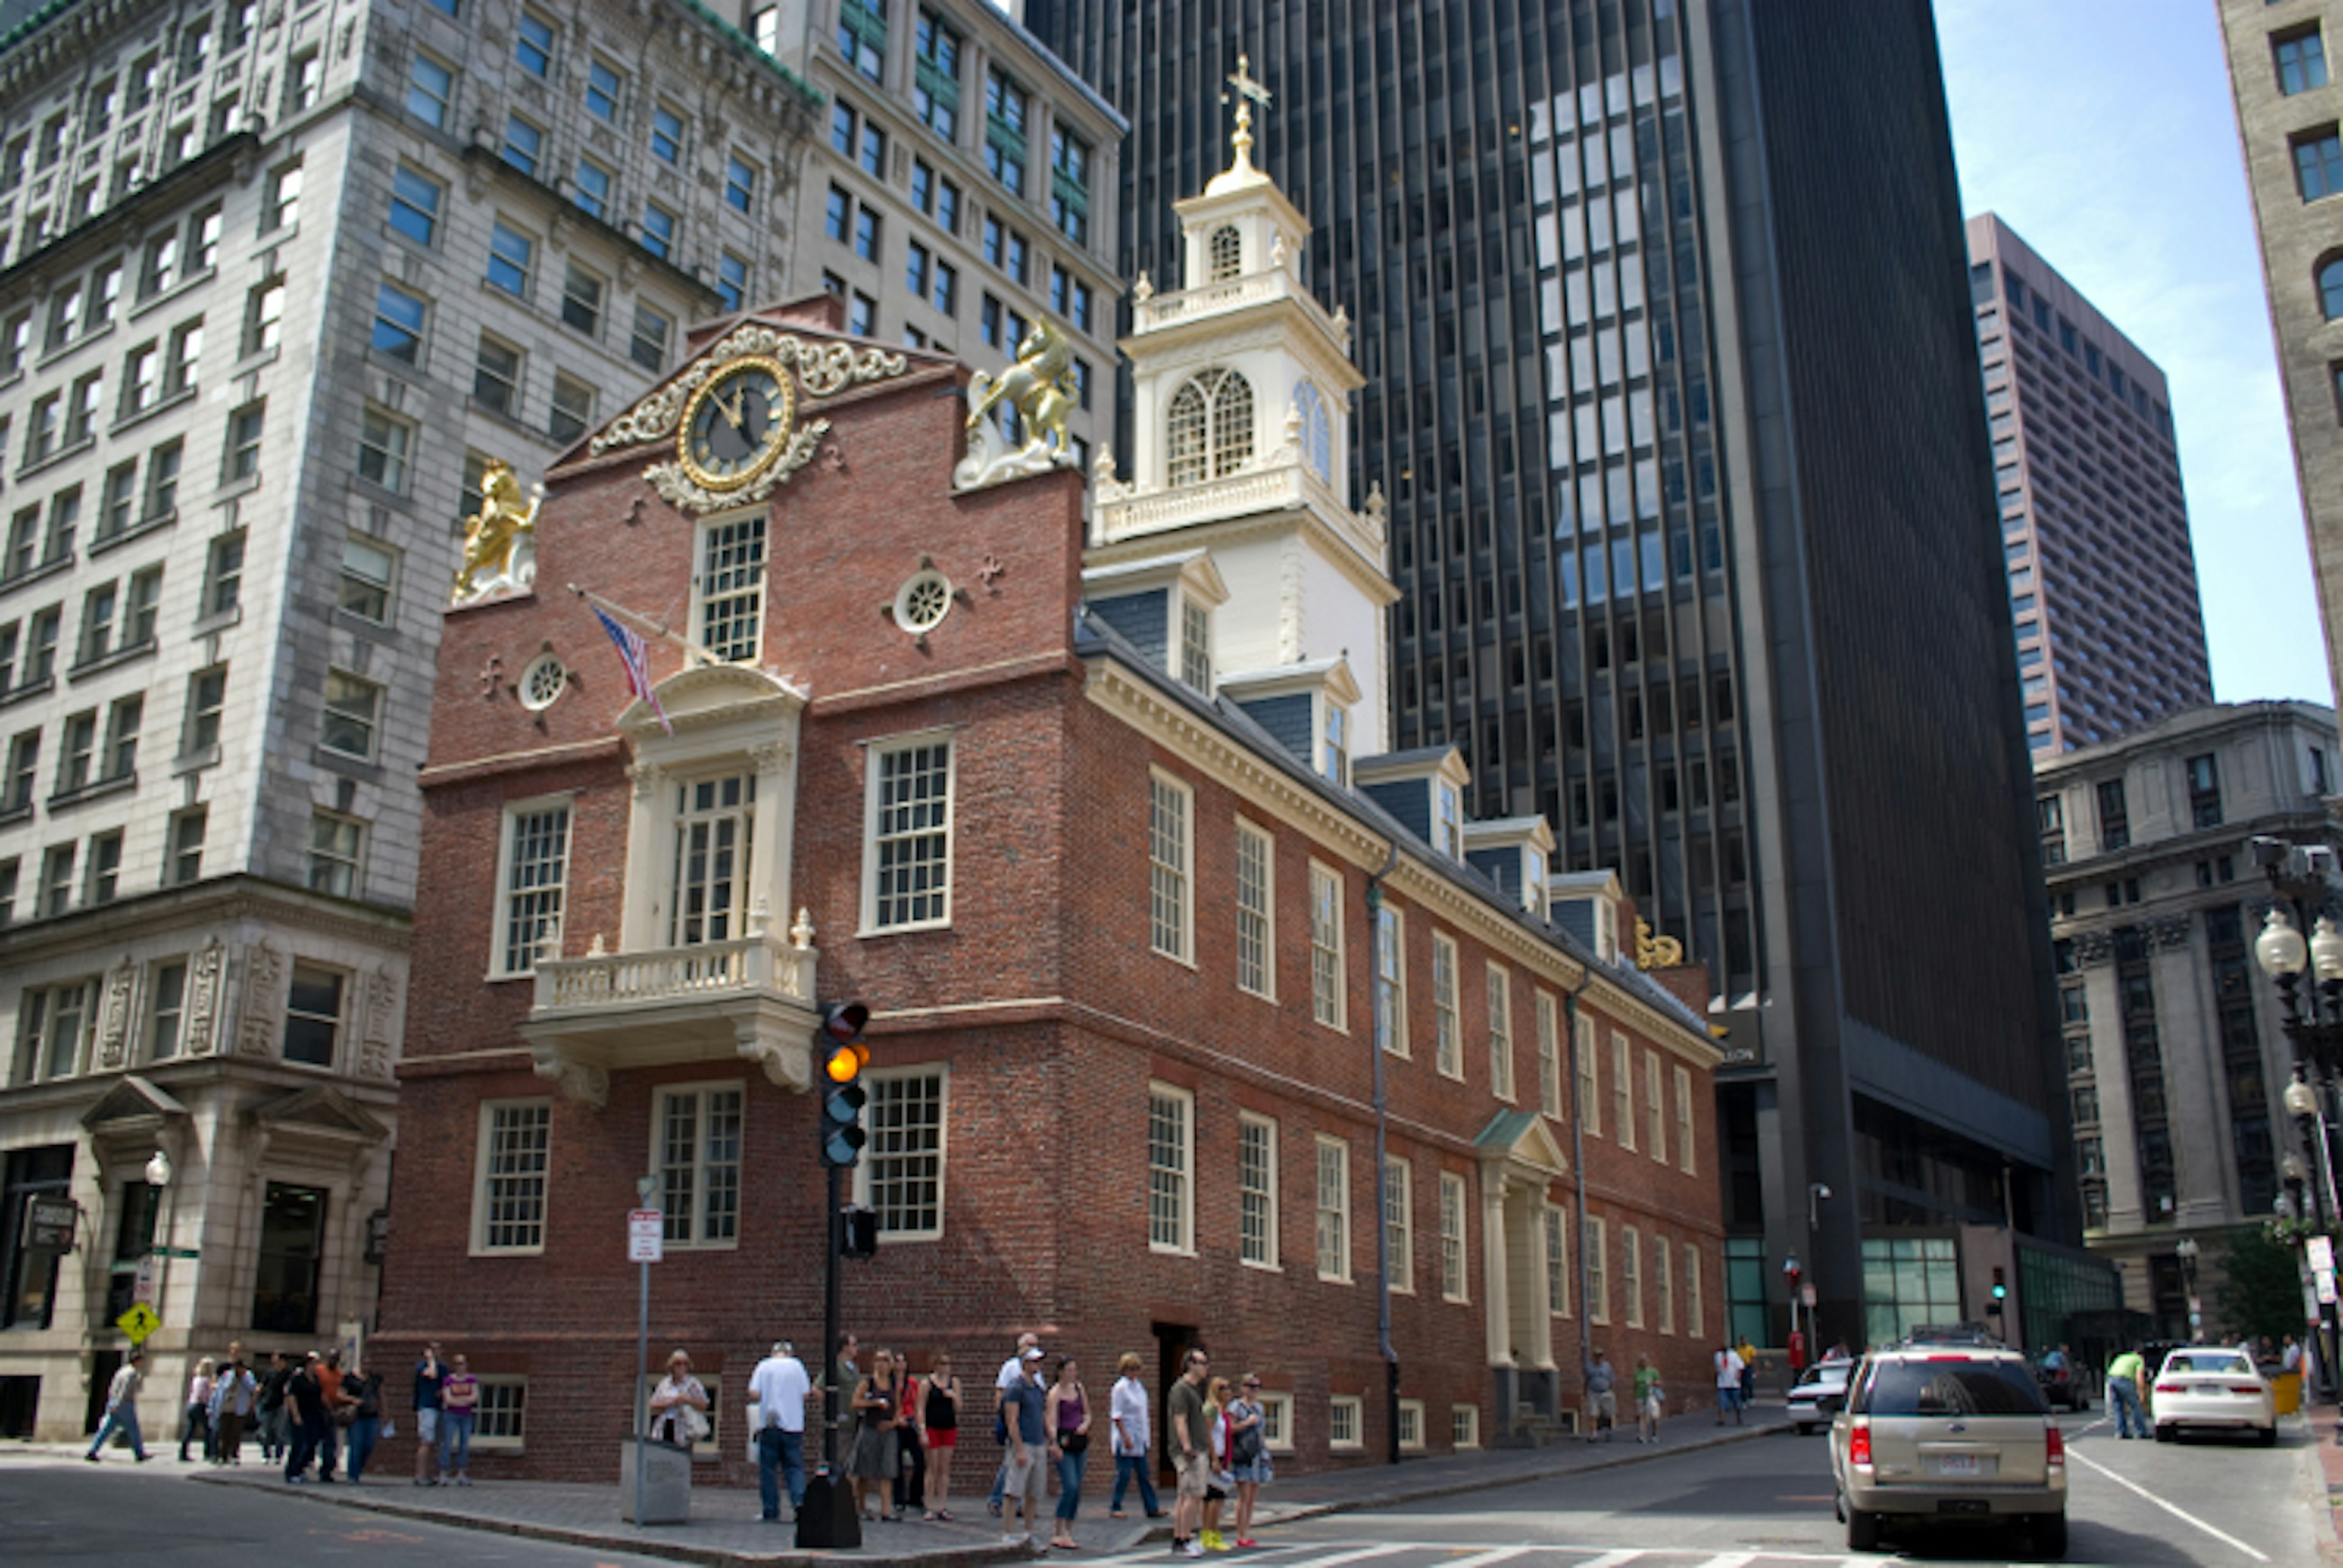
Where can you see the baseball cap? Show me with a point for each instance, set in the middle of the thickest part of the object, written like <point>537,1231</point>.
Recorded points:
<point>1032,1353</point>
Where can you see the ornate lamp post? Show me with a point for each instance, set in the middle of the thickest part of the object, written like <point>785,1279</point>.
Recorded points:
<point>2312,1020</point>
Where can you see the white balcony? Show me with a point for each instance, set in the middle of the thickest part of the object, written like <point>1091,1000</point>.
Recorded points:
<point>750,998</point>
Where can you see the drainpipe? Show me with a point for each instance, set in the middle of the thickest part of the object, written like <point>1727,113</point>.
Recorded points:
<point>1578,1161</point>
<point>1383,1123</point>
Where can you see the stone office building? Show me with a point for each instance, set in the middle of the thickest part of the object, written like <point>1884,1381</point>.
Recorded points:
<point>276,282</point>
<point>1086,829</point>
<point>2175,1060</point>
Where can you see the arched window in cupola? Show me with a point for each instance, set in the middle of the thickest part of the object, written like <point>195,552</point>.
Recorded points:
<point>1210,428</point>
<point>1317,430</point>
<point>1226,257</point>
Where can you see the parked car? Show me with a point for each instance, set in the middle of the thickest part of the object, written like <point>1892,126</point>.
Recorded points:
<point>1820,1393</point>
<point>2062,1387</point>
<point>1935,1435</point>
<point>2213,1386</point>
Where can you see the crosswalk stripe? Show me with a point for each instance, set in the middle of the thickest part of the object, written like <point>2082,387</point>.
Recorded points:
<point>1482,1559</point>
<point>1610,1560</point>
<point>1730,1560</point>
<point>1387,1548</point>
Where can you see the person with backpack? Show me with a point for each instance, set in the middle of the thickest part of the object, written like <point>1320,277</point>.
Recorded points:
<point>1069,1423</point>
<point>1247,1452</point>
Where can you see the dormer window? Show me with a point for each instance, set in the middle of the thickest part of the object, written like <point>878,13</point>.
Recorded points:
<point>1448,821</point>
<point>1226,255</point>
<point>1334,743</point>
<point>1534,892</point>
<point>1317,430</point>
<point>1196,645</point>
<point>1209,431</point>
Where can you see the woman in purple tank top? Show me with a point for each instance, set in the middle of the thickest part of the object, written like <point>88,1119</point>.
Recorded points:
<point>1069,1427</point>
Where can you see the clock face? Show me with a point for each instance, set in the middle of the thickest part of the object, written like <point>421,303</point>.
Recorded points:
<point>737,424</point>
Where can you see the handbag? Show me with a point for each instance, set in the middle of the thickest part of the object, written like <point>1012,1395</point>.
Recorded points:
<point>390,1428</point>
<point>695,1425</point>
<point>1074,1441</point>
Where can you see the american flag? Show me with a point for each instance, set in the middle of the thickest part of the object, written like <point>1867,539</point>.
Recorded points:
<point>632,653</point>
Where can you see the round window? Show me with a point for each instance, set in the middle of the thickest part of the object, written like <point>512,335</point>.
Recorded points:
<point>542,681</point>
<point>923,602</point>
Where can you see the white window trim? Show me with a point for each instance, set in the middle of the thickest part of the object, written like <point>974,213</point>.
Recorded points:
<point>1274,1263</point>
<point>1248,829</point>
<point>1186,1246</point>
<point>1559,1307</point>
<point>1663,1283</point>
<point>1551,1072</point>
<point>1687,1156</point>
<point>1277,1410</point>
<point>1186,791</point>
<point>1694,1306</point>
<point>1357,1407</point>
<point>1623,1088</point>
<point>862,1185</point>
<point>1465,1433</point>
<point>1401,1217</point>
<point>1631,1272</point>
<point>1410,1416</point>
<point>948,738</point>
<point>500,1444</point>
<point>1655,1113</point>
<point>514,810</point>
<point>1452,1184</point>
<point>1340,1022</point>
<point>697,606</point>
<point>1447,1009</point>
<point>1324,1142</point>
<point>484,1124</point>
<point>1593,1244</point>
<point>1502,1081</point>
<point>1586,1073</point>
<point>699,1088</point>
<point>1395,1018</point>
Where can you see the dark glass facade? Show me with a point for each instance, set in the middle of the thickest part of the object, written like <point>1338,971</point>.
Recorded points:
<point>1674,395</point>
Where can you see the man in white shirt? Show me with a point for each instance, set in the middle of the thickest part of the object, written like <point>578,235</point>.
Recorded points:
<point>779,1391</point>
<point>1011,1373</point>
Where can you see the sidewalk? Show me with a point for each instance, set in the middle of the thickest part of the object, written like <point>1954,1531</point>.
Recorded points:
<point>2320,1421</point>
<point>725,1533</point>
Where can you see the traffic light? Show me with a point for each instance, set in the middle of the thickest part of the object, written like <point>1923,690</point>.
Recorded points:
<point>2000,1291</point>
<point>844,1056</point>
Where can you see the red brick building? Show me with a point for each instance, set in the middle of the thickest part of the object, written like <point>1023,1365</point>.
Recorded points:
<point>1086,809</point>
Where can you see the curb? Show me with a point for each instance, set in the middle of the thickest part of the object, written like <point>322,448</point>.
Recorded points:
<point>647,1545</point>
<point>1457,1487</point>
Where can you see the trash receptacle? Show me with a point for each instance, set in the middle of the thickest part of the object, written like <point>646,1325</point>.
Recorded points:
<point>2286,1390</point>
<point>666,1481</point>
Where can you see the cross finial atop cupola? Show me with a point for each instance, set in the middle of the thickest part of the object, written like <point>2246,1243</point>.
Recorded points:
<point>1248,92</point>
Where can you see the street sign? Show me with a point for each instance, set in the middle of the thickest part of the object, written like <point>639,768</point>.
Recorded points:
<point>2326,1287</point>
<point>143,1291</point>
<point>646,1235</point>
<point>1806,1295</point>
<point>49,1223</point>
<point>140,1322</point>
<point>2321,1252</point>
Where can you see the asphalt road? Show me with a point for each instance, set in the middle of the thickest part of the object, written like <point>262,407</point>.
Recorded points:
<point>1767,1505</point>
<point>66,1512</point>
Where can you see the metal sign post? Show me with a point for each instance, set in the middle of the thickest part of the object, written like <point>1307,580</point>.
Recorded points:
<point>646,1240</point>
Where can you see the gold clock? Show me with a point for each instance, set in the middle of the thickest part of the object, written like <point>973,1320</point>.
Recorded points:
<point>737,424</point>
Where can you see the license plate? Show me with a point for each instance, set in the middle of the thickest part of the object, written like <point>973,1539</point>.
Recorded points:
<point>1963,1505</point>
<point>1956,1464</point>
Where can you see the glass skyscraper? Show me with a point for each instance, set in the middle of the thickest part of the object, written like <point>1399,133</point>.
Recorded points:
<point>1672,394</point>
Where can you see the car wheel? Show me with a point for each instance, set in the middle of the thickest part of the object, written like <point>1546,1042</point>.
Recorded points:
<point>1862,1530</point>
<point>2050,1536</point>
<point>2166,1431</point>
<point>2267,1437</point>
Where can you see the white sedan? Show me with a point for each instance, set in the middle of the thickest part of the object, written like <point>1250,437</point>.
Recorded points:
<point>2212,1386</point>
<point>1819,1394</point>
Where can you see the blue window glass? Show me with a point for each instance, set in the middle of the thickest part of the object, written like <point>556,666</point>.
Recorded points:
<point>2330,288</point>
<point>2319,163</point>
<point>731,280</point>
<point>398,324</point>
<point>414,206</point>
<point>658,230</point>
<point>2301,61</point>
<point>601,91</point>
<point>523,143</point>
<point>739,183</point>
<point>511,255</point>
<point>667,135</point>
<point>593,188</point>
<point>533,44</point>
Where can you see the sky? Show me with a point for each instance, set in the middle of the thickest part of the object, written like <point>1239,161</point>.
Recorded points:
<point>2102,132</point>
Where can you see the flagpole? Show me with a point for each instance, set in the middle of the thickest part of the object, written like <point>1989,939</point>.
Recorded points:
<point>645,623</point>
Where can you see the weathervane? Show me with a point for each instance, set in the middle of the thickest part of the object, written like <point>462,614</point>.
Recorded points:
<point>1249,93</point>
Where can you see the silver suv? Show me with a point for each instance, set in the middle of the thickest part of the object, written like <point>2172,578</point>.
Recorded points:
<point>1948,1435</point>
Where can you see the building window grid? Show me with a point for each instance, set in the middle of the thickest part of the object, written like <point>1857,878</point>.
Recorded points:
<point>1448,1056</point>
<point>1623,1091</point>
<point>1333,1210</point>
<point>732,586</point>
<point>911,836</point>
<point>1655,1111</point>
<point>1500,1032</point>
<point>536,880</point>
<point>1687,1159</point>
<point>516,1142</point>
<point>1170,1164</point>
<point>1391,981</point>
<point>1171,869</point>
<point>1549,1048</point>
<point>901,1177</point>
<point>700,1164</point>
<point>1591,1242</point>
<point>1453,1284</point>
<point>715,823</point>
<point>1255,906</point>
<point>1399,1223</point>
<point>1557,1261</point>
<point>1327,980</point>
<point>1257,1191</point>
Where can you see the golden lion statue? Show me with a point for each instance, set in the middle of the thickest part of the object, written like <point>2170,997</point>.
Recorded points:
<point>1040,386</point>
<point>494,535</point>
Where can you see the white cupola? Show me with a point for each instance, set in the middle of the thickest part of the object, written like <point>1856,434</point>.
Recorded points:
<point>1243,388</point>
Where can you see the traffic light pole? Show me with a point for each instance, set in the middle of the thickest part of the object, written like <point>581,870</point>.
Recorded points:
<point>829,1320</point>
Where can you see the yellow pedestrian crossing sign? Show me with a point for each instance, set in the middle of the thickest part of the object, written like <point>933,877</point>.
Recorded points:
<point>138,1322</point>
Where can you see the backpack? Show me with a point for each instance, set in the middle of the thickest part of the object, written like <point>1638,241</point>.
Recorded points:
<point>1244,1444</point>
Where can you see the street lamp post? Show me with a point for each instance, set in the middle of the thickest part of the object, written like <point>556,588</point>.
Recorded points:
<point>2189,1251</point>
<point>2311,1017</point>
